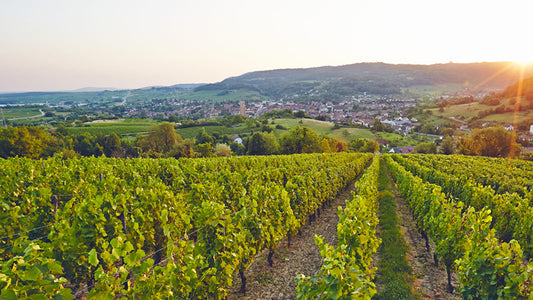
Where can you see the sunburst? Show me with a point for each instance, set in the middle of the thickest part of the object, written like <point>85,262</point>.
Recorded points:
<point>524,62</point>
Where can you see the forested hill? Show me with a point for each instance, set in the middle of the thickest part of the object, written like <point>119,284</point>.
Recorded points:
<point>372,78</point>
<point>526,89</point>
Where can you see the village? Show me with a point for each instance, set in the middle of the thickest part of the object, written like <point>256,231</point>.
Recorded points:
<point>362,111</point>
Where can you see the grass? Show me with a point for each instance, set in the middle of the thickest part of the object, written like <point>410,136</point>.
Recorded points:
<point>19,112</point>
<point>394,271</point>
<point>435,90</point>
<point>471,110</point>
<point>132,127</point>
<point>508,118</point>
<point>192,132</point>
<point>105,130</point>
<point>350,134</point>
<point>129,127</point>
<point>321,127</point>
<point>467,111</point>
<point>326,128</point>
<point>58,97</point>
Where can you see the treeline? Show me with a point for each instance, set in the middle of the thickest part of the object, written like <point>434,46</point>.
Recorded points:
<point>489,141</point>
<point>163,141</point>
<point>523,88</point>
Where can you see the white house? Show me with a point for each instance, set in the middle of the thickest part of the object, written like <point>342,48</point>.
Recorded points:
<point>237,139</point>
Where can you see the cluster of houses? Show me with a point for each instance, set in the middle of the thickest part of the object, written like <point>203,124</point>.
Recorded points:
<point>359,110</point>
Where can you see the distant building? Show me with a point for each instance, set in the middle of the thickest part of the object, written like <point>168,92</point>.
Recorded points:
<point>525,137</point>
<point>404,150</point>
<point>527,149</point>
<point>242,109</point>
<point>237,139</point>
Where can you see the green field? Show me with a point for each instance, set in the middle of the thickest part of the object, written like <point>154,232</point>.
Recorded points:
<point>60,97</point>
<point>192,132</point>
<point>511,117</point>
<point>467,112</point>
<point>19,112</point>
<point>434,90</point>
<point>350,134</point>
<point>121,127</point>
<point>321,127</point>
<point>132,127</point>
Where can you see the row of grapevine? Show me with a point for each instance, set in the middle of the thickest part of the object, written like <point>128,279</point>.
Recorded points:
<point>502,175</point>
<point>111,227</point>
<point>487,268</point>
<point>346,271</point>
<point>511,216</point>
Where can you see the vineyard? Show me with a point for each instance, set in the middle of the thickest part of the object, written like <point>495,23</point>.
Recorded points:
<point>107,228</point>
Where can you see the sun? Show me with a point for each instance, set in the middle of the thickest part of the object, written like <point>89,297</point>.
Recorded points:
<point>525,60</point>
<point>524,63</point>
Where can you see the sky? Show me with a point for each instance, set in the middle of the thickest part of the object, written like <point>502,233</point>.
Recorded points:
<point>52,45</point>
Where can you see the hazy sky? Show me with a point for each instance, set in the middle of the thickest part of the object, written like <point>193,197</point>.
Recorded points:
<point>69,44</point>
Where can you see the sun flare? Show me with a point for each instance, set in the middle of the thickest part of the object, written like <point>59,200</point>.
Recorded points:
<point>524,61</point>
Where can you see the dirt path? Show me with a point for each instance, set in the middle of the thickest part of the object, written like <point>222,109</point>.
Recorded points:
<point>429,281</point>
<point>303,257</point>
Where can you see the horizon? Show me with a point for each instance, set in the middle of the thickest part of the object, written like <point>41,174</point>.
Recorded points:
<point>130,44</point>
<point>81,89</point>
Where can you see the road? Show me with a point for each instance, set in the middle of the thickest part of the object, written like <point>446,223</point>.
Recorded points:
<point>460,121</point>
<point>124,98</point>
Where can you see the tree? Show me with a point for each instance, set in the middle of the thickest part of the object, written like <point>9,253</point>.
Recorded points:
<point>237,149</point>
<point>23,141</point>
<point>467,146</point>
<point>426,148</point>
<point>329,144</point>
<point>364,145</point>
<point>447,146</point>
<point>490,141</point>
<point>86,145</point>
<point>262,143</point>
<point>371,146</point>
<point>357,145</point>
<point>183,149</point>
<point>204,150</point>
<point>112,144</point>
<point>378,126</point>
<point>495,141</point>
<point>222,150</point>
<point>341,146</point>
<point>300,140</point>
<point>161,139</point>
<point>300,114</point>
<point>203,137</point>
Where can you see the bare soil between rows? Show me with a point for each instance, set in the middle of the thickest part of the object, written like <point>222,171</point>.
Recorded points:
<point>302,257</point>
<point>430,281</point>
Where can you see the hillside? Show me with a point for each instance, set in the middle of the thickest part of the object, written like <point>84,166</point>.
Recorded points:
<point>329,83</point>
<point>369,78</point>
<point>527,90</point>
<point>496,109</point>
